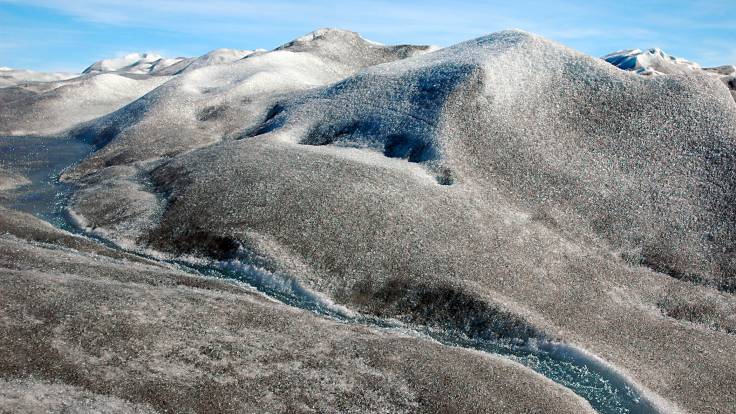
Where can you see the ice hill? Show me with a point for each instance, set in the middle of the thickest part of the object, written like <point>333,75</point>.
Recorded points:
<point>52,108</point>
<point>650,61</point>
<point>51,103</point>
<point>506,183</point>
<point>154,64</point>
<point>200,107</point>
<point>13,77</point>
<point>655,61</point>
<point>215,57</point>
<point>136,63</point>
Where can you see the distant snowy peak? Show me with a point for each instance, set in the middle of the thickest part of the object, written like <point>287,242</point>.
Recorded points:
<point>727,73</point>
<point>328,36</point>
<point>321,33</point>
<point>225,55</point>
<point>650,62</point>
<point>154,64</point>
<point>726,70</point>
<point>138,63</point>
<point>329,33</point>
<point>657,62</point>
<point>13,77</point>
<point>215,57</point>
<point>348,50</point>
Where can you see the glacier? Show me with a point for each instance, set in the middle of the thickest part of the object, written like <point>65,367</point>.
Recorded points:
<point>501,225</point>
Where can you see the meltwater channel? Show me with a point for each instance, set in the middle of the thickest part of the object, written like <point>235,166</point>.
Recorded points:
<point>42,160</point>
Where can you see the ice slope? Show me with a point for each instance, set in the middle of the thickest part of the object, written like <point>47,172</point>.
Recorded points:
<point>650,62</point>
<point>656,62</point>
<point>181,334</point>
<point>201,106</point>
<point>136,63</point>
<point>215,57</point>
<point>53,108</point>
<point>506,175</point>
<point>728,76</point>
<point>14,77</point>
<point>42,104</point>
<point>154,64</point>
<point>725,70</point>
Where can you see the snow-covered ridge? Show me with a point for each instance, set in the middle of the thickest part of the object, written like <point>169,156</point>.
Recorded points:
<point>654,62</point>
<point>12,77</point>
<point>140,63</point>
<point>324,32</point>
<point>154,64</point>
<point>650,62</point>
<point>725,70</point>
<point>203,89</point>
<point>329,37</point>
<point>215,57</point>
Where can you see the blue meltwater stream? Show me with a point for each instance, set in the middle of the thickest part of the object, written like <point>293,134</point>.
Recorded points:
<point>41,160</point>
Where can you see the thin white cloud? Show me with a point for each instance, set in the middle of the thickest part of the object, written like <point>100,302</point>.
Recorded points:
<point>251,15</point>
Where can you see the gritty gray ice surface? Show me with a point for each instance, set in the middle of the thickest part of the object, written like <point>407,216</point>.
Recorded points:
<point>84,328</point>
<point>503,187</point>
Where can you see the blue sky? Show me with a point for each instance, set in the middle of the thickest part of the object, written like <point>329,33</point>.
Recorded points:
<point>70,34</point>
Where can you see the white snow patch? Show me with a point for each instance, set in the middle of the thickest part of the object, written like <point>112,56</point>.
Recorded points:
<point>137,63</point>
<point>650,62</point>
